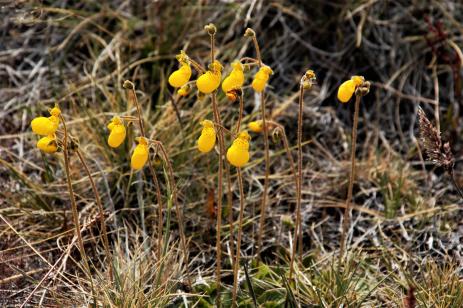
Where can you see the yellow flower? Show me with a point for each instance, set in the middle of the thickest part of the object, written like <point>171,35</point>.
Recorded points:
<point>47,144</point>
<point>210,80</point>
<point>347,88</point>
<point>43,126</point>
<point>118,132</point>
<point>206,141</point>
<point>140,154</point>
<point>181,76</point>
<point>238,153</point>
<point>184,91</point>
<point>47,126</point>
<point>235,79</point>
<point>261,78</point>
<point>256,126</point>
<point>55,111</point>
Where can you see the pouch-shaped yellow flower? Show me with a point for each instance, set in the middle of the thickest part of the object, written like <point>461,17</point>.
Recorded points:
<point>235,79</point>
<point>117,134</point>
<point>181,76</point>
<point>347,88</point>
<point>261,78</point>
<point>238,153</point>
<point>45,126</point>
<point>210,80</point>
<point>140,154</point>
<point>47,144</point>
<point>256,126</point>
<point>206,141</point>
<point>184,91</point>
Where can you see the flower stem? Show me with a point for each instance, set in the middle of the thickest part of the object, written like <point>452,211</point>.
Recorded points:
<point>131,87</point>
<point>216,112</point>
<point>298,231</point>
<point>173,190</point>
<point>230,213</point>
<point>238,241</point>
<point>75,214</point>
<point>263,205</point>
<point>347,210</point>
<point>101,216</point>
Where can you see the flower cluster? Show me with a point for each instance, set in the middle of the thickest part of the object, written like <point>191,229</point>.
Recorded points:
<point>210,80</point>
<point>47,127</point>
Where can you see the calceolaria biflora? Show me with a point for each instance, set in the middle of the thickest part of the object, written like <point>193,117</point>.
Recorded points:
<point>183,74</point>
<point>210,80</point>
<point>261,78</point>
<point>140,154</point>
<point>206,141</point>
<point>235,79</point>
<point>184,91</point>
<point>238,152</point>
<point>46,126</point>
<point>48,144</point>
<point>256,126</point>
<point>117,132</point>
<point>347,88</point>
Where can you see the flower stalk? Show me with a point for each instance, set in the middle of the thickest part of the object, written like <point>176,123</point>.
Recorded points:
<point>101,216</point>
<point>360,87</point>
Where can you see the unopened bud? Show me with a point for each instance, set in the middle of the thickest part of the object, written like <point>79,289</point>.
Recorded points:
<point>307,85</point>
<point>128,85</point>
<point>249,32</point>
<point>310,74</point>
<point>210,28</point>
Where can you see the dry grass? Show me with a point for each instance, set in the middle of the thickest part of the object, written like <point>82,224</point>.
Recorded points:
<point>405,229</point>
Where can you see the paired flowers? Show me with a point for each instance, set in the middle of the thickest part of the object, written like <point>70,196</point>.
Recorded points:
<point>237,154</point>
<point>47,126</point>
<point>117,136</point>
